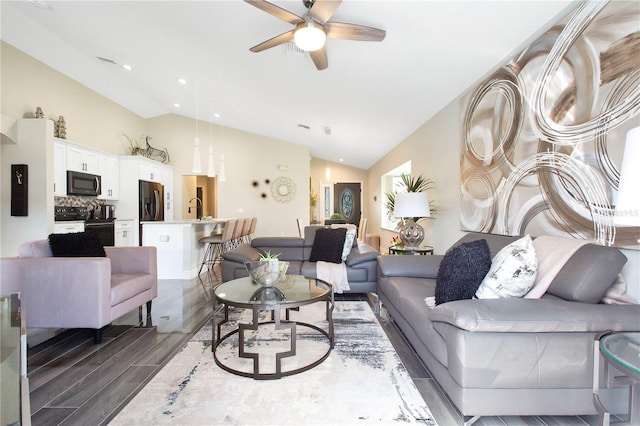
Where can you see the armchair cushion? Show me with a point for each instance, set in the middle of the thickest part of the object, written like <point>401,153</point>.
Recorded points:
<point>328,245</point>
<point>76,244</point>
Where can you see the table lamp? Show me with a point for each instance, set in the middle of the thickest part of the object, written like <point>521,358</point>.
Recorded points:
<point>627,211</point>
<point>411,205</point>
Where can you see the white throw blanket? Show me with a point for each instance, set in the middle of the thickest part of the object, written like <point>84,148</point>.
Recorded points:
<point>333,273</point>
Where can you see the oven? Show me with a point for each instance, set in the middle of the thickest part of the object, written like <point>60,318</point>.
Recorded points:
<point>105,230</point>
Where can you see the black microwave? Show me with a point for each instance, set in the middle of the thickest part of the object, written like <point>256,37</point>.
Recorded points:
<point>83,183</point>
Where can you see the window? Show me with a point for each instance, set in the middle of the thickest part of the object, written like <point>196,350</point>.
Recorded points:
<point>389,183</point>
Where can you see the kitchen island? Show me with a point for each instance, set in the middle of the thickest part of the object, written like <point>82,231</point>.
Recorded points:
<point>178,244</point>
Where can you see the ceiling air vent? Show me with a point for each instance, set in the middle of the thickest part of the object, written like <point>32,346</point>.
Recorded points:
<point>327,130</point>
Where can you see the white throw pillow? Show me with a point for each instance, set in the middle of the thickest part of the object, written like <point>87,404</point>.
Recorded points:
<point>349,238</point>
<point>513,271</point>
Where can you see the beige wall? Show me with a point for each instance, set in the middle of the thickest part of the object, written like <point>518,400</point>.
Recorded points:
<point>94,121</point>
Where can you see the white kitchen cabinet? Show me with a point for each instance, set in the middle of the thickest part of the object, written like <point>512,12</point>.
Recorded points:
<point>68,227</point>
<point>109,170</point>
<point>124,233</point>
<point>150,170</point>
<point>59,169</point>
<point>82,160</point>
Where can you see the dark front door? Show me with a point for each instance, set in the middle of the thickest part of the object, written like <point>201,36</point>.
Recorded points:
<point>346,201</point>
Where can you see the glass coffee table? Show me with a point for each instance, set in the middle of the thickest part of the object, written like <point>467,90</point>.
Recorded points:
<point>291,293</point>
<point>620,351</point>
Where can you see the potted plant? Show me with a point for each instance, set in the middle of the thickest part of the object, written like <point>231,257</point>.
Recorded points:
<point>409,184</point>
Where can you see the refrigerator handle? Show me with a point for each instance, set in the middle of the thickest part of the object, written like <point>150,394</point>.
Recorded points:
<point>157,203</point>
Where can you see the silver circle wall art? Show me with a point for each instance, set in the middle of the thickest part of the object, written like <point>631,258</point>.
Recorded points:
<point>283,189</point>
<point>543,136</point>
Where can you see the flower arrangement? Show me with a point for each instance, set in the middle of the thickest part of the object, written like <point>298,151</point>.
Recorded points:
<point>396,242</point>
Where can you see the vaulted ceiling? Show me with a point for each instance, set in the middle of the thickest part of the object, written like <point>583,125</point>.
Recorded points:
<point>371,97</point>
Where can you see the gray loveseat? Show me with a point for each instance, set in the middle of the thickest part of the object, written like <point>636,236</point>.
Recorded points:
<point>509,356</point>
<point>80,292</point>
<point>361,262</point>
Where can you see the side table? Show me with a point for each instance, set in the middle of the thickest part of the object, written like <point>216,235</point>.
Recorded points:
<point>422,250</point>
<point>622,352</point>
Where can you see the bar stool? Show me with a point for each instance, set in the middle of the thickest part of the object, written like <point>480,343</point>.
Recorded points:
<point>252,228</point>
<point>245,230</point>
<point>216,245</point>
<point>237,233</point>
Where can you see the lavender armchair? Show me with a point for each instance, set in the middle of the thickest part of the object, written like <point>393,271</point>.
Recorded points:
<point>80,292</point>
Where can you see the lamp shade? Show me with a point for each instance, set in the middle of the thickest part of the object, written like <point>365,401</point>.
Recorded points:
<point>411,204</point>
<point>197,164</point>
<point>627,211</point>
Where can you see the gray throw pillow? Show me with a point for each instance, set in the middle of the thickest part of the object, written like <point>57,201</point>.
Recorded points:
<point>588,274</point>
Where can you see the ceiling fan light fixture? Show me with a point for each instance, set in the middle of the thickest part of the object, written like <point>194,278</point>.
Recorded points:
<point>309,36</point>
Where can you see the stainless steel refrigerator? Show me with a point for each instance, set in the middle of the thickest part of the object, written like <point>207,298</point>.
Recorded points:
<point>151,201</point>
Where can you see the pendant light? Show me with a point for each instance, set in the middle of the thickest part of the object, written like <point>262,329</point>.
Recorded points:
<point>211,169</point>
<point>197,164</point>
<point>627,212</point>
<point>222,176</point>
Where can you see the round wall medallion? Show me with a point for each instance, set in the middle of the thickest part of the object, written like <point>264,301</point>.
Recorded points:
<point>283,189</point>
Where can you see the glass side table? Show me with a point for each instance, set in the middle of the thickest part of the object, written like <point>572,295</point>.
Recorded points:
<point>422,250</point>
<point>622,352</point>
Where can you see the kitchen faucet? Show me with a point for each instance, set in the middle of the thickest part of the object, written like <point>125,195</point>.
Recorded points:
<point>198,200</point>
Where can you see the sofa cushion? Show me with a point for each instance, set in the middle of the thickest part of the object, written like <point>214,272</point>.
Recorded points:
<point>588,274</point>
<point>349,240</point>
<point>76,244</point>
<point>328,245</point>
<point>461,271</point>
<point>513,271</point>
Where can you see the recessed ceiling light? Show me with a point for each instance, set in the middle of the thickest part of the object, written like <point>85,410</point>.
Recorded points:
<point>177,105</point>
<point>341,160</point>
<point>216,115</point>
<point>182,81</point>
<point>127,67</point>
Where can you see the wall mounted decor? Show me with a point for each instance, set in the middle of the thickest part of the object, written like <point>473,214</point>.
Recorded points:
<point>283,189</point>
<point>543,136</point>
<point>19,190</point>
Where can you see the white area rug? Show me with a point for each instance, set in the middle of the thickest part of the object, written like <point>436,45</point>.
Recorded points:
<point>362,382</point>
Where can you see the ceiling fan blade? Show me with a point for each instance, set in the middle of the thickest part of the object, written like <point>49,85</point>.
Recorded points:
<point>353,32</point>
<point>272,42</point>
<point>319,58</point>
<point>276,11</point>
<point>323,10</point>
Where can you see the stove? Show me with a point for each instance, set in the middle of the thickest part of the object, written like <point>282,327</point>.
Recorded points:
<point>103,228</point>
<point>64,213</point>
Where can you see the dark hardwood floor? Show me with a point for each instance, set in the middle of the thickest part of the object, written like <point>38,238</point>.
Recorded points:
<point>75,382</point>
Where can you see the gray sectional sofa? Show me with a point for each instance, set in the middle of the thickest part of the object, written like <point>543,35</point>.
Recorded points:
<point>361,262</point>
<point>513,356</point>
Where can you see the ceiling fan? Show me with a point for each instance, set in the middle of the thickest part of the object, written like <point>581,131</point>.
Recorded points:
<point>311,30</point>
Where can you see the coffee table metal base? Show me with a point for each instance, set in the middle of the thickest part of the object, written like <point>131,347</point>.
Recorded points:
<point>279,325</point>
